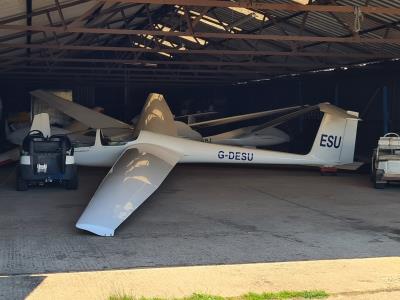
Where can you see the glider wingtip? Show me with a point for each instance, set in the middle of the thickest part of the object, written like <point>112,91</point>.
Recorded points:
<point>98,230</point>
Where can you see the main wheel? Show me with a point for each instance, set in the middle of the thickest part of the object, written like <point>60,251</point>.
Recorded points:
<point>73,183</point>
<point>21,184</point>
<point>379,185</point>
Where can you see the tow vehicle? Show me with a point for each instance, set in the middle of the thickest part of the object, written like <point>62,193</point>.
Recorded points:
<point>385,163</point>
<point>46,159</point>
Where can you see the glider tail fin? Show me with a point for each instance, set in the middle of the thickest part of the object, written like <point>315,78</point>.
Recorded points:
<point>336,137</point>
<point>156,117</point>
<point>41,122</point>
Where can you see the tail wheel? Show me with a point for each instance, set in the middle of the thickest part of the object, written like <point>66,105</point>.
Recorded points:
<point>379,182</point>
<point>380,185</point>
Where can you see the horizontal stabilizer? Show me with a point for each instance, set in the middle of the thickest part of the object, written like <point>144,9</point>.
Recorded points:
<point>337,111</point>
<point>41,122</point>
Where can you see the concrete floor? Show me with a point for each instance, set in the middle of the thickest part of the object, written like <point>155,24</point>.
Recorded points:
<point>202,215</point>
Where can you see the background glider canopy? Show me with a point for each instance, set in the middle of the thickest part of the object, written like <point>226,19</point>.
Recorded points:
<point>87,116</point>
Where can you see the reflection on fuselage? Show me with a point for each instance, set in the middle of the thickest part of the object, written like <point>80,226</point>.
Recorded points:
<point>143,179</point>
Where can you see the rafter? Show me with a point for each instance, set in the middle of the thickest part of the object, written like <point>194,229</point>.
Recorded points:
<point>67,81</point>
<point>272,6</point>
<point>216,35</point>
<point>229,72</point>
<point>252,64</point>
<point>198,52</point>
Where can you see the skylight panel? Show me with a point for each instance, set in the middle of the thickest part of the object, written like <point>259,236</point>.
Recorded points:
<point>189,38</point>
<point>210,21</point>
<point>244,11</point>
<point>303,2</point>
<point>136,44</point>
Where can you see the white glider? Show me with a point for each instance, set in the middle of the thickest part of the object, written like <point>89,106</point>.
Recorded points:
<point>138,167</point>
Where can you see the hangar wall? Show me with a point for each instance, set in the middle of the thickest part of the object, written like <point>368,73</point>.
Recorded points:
<point>372,92</point>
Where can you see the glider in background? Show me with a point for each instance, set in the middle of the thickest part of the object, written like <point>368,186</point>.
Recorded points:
<point>253,136</point>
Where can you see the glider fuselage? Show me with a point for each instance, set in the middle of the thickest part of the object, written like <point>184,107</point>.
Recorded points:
<point>192,152</point>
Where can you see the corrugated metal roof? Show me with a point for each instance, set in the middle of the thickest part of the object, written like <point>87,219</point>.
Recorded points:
<point>136,16</point>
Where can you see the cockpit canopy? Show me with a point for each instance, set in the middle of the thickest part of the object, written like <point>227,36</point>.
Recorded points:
<point>108,137</point>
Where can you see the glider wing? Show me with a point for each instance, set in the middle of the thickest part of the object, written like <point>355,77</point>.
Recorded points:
<point>133,178</point>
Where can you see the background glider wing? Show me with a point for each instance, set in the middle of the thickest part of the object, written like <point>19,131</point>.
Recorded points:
<point>285,118</point>
<point>324,107</point>
<point>195,115</point>
<point>239,118</point>
<point>87,116</point>
<point>134,177</point>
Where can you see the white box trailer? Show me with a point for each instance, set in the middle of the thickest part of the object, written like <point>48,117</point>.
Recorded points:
<point>385,164</point>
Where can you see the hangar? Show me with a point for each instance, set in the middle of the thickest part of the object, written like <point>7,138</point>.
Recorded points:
<point>210,60</point>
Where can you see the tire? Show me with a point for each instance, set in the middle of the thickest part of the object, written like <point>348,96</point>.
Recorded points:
<point>373,170</point>
<point>380,185</point>
<point>372,178</point>
<point>73,183</point>
<point>21,184</point>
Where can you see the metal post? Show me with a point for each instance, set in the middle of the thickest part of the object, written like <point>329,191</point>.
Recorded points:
<point>300,100</point>
<point>126,94</point>
<point>336,99</point>
<point>385,109</point>
<point>28,23</point>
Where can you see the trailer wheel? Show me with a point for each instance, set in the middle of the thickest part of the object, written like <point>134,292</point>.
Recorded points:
<point>21,184</point>
<point>380,185</point>
<point>73,183</point>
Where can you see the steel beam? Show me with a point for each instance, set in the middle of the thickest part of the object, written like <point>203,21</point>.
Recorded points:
<point>138,70</point>
<point>385,109</point>
<point>199,52</point>
<point>271,6</point>
<point>51,81</point>
<point>119,75</point>
<point>214,35</point>
<point>56,77</point>
<point>250,64</point>
<point>28,24</point>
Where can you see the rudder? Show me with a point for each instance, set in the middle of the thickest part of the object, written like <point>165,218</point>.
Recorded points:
<point>156,116</point>
<point>41,122</point>
<point>336,137</point>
